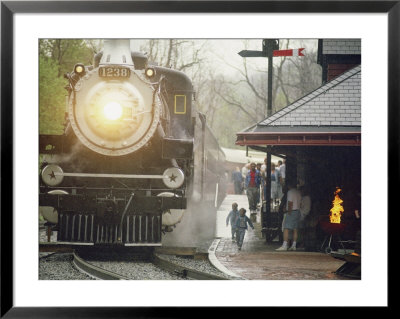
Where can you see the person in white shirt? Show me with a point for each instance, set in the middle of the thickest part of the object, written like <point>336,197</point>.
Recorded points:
<point>245,170</point>
<point>264,168</point>
<point>305,208</point>
<point>282,171</point>
<point>305,205</point>
<point>292,216</point>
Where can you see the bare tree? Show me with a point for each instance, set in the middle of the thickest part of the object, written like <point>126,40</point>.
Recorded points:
<point>179,54</point>
<point>233,102</point>
<point>95,45</point>
<point>293,77</point>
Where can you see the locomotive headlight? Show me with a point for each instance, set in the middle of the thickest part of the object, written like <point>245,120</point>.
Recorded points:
<point>173,177</point>
<point>79,69</point>
<point>114,116</point>
<point>113,111</point>
<point>150,72</point>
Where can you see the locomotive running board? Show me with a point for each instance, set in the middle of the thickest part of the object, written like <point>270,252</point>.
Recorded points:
<point>75,243</point>
<point>92,244</point>
<point>109,175</point>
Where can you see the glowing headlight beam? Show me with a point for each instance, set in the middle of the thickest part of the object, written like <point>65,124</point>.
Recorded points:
<point>112,111</point>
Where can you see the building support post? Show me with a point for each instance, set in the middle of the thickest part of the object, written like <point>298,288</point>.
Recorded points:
<point>267,213</point>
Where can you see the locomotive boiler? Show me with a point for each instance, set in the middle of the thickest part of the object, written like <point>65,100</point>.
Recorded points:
<point>132,155</point>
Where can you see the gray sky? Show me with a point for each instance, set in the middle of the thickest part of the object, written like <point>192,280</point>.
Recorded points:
<point>225,51</point>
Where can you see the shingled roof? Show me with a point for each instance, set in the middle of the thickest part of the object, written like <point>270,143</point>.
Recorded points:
<point>333,111</point>
<point>342,46</point>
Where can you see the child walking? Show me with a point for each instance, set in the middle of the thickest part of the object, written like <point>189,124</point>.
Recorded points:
<point>241,225</point>
<point>232,217</point>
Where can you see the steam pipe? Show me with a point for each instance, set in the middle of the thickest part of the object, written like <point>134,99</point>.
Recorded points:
<point>123,215</point>
<point>216,196</point>
<point>203,133</point>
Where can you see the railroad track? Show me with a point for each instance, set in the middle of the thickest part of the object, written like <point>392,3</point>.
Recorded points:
<point>84,261</point>
<point>185,272</point>
<point>95,271</point>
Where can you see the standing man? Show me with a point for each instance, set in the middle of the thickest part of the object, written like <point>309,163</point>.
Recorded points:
<point>245,170</point>
<point>237,181</point>
<point>305,208</point>
<point>292,216</point>
<point>282,172</point>
<point>264,167</point>
<point>258,168</point>
<point>263,172</point>
<point>252,183</point>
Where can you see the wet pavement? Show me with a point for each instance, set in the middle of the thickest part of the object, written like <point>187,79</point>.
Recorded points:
<point>258,259</point>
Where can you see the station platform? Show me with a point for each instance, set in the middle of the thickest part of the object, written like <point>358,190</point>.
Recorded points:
<point>258,259</point>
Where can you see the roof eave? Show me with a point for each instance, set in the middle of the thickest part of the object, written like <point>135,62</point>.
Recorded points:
<point>299,138</point>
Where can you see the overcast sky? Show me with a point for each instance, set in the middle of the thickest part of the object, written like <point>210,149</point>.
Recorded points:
<point>226,50</point>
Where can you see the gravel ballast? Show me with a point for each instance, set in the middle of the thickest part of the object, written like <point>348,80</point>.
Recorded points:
<point>136,270</point>
<point>193,264</point>
<point>59,267</point>
<point>56,267</point>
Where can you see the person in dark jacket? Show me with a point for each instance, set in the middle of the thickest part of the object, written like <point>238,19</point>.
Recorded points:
<point>252,183</point>
<point>241,226</point>
<point>232,217</point>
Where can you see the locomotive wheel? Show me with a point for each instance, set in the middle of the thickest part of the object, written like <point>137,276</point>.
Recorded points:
<point>49,213</point>
<point>173,216</point>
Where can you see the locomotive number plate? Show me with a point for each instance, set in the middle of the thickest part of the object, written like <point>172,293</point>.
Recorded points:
<point>114,72</point>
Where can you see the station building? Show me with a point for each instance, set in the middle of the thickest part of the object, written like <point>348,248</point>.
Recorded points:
<point>319,136</point>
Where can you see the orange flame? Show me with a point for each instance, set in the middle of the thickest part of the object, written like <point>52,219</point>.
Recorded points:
<point>337,208</point>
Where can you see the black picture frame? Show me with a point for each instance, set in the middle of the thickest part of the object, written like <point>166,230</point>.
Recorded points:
<point>9,8</point>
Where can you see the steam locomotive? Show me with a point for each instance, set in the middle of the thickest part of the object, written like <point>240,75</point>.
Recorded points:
<point>134,153</point>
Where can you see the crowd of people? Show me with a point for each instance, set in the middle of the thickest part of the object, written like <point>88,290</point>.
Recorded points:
<point>251,178</point>
<point>295,201</point>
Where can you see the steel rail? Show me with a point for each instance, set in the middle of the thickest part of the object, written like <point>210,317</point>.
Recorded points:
<point>161,263</point>
<point>184,271</point>
<point>95,271</point>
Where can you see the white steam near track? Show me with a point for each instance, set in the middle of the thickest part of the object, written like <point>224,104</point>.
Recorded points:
<point>196,227</point>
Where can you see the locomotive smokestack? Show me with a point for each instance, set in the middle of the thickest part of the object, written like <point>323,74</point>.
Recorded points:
<point>116,51</point>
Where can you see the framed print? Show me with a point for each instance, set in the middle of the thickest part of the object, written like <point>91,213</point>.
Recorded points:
<point>25,23</point>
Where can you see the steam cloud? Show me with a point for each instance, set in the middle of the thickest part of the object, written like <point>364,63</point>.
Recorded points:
<point>196,228</point>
